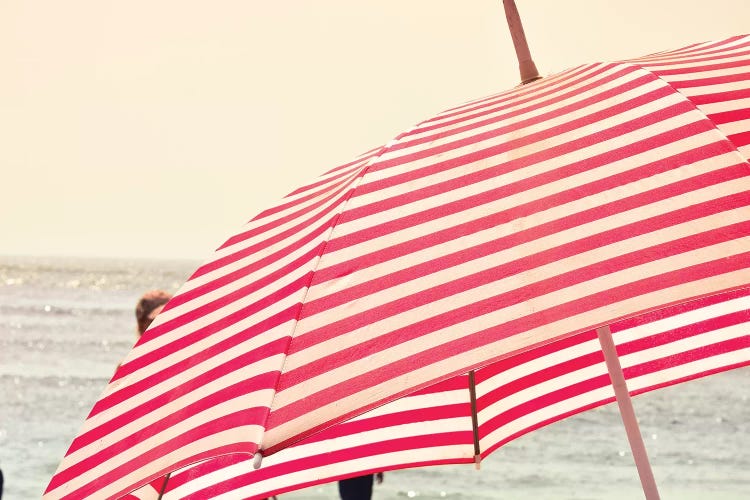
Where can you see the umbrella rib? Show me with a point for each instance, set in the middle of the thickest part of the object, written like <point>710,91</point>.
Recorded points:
<point>164,486</point>
<point>375,157</point>
<point>474,419</point>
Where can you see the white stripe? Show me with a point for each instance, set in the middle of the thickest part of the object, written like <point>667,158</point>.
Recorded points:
<point>318,216</point>
<point>464,360</point>
<point>284,260</point>
<point>260,366</point>
<point>210,318</point>
<point>673,373</point>
<point>255,398</point>
<point>693,74</point>
<point>513,400</point>
<point>685,344</point>
<point>737,127</point>
<point>537,364</point>
<point>235,435</point>
<point>681,320</point>
<point>380,461</point>
<point>549,84</point>
<point>543,414</point>
<point>621,337</point>
<point>146,493</point>
<point>375,244</point>
<point>418,402</point>
<point>715,89</point>
<point>722,106</point>
<point>355,337</point>
<point>531,131</point>
<point>373,220</point>
<point>520,103</point>
<point>576,233</point>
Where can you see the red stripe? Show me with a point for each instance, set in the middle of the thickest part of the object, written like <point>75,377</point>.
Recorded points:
<point>188,339</point>
<point>337,456</point>
<point>226,422</point>
<point>714,80</point>
<point>132,413</point>
<point>495,333</point>
<point>522,293</point>
<point>510,98</point>
<point>522,210</point>
<point>697,59</point>
<point>254,416</point>
<point>544,401</point>
<point>345,179</point>
<point>681,358</point>
<point>596,116</point>
<point>539,377</point>
<point>333,201</point>
<point>698,69</point>
<point>489,371</point>
<point>527,262</point>
<point>543,423</point>
<point>715,97</point>
<point>741,139</point>
<point>111,399</point>
<point>692,330</point>
<point>733,115</point>
<point>676,309</point>
<point>481,198</point>
<point>443,130</point>
<point>306,234</point>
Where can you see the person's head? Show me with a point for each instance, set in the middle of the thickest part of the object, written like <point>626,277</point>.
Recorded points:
<point>148,307</point>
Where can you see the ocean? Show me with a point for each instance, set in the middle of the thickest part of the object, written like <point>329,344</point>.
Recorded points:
<point>65,323</point>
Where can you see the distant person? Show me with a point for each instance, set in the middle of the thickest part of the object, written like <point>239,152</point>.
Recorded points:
<point>148,306</point>
<point>360,487</point>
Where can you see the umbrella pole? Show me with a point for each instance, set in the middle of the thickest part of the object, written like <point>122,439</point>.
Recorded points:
<point>164,486</point>
<point>526,65</point>
<point>627,413</point>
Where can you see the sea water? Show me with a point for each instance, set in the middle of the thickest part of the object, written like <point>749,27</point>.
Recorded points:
<point>65,323</point>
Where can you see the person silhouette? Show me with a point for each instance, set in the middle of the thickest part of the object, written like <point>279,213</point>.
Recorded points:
<point>359,487</point>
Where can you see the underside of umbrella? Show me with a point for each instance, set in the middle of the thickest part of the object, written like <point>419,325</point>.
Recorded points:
<point>334,333</point>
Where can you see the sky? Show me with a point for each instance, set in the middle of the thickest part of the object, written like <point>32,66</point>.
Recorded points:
<point>157,129</point>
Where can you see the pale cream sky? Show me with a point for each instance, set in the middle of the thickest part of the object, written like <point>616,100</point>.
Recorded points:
<point>157,128</point>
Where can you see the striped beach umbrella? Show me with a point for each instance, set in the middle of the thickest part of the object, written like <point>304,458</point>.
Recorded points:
<point>439,296</point>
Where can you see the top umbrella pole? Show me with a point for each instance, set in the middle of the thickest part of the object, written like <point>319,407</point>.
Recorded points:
<point>526,65</point>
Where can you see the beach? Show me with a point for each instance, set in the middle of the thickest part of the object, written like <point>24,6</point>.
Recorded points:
<point>66,323</point>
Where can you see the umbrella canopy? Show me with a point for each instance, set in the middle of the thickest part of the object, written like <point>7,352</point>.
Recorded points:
<point>492,238</point>
<point>514,396</point>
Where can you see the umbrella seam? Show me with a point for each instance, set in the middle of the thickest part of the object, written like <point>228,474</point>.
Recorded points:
<point>383,149</point>
<point>690,101</point>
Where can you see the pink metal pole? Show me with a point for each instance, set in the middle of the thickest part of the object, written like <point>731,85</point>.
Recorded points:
<point>526,65</point>
<point>627,413</point>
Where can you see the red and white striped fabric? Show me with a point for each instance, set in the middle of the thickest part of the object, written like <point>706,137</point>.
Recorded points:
<point>514,396</point>
<point>489,237</point>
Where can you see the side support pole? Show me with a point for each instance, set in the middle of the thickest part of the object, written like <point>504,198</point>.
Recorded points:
<point>627,413</point>
<point>474,420</point>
